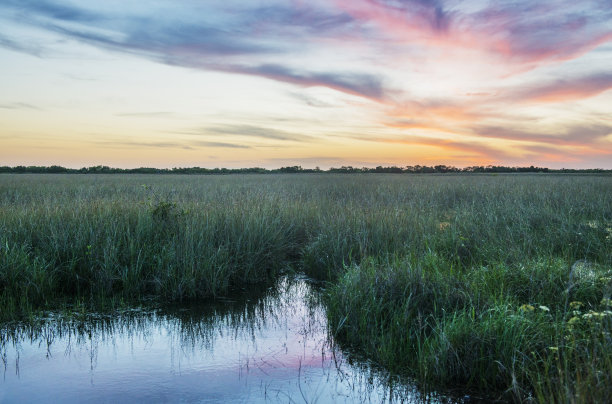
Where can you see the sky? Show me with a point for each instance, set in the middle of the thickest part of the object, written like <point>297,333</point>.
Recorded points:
<point>327,83</point>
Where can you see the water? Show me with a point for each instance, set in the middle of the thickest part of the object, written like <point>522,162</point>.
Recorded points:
<point>272,346</point>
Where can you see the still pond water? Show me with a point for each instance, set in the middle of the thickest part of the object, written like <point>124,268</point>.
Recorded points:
<point>271,347</point>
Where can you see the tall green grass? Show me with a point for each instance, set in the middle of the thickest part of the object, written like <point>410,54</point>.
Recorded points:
<point>513,332</point>
<point>460,281</point>
<point>98,239</point>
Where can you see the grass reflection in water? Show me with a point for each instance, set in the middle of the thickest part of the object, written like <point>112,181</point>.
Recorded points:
<point>269,346</point>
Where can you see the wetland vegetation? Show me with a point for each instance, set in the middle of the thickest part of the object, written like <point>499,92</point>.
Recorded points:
<point>497,286</point>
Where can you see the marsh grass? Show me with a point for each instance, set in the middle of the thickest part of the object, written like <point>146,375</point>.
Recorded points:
<point>96,245</point>
<point>505,331</point>
<point>460,281</point>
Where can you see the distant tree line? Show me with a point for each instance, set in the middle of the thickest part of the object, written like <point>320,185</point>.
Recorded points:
<point>417,169</point>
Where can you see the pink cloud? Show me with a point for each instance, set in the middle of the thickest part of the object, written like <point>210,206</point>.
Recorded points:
<point>524,33</point>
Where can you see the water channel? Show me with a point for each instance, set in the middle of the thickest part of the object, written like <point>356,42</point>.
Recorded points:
<point>272,346</point>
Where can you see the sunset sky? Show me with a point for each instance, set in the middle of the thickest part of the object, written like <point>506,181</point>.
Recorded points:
<point>238,83</point>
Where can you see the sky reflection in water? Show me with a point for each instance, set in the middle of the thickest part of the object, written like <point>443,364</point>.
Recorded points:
<point>271,348</point>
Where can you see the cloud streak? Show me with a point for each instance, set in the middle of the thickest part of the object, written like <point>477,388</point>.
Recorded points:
<point>20,46</point>
<point>563,90</point>
<point>198,43</point>
<point>520,35</point>
<point>363,85</point>
<point>570,136</point>
<point>528,32</point>
<point>188,145</point>
<point>145,114</point>
<point>251,131</point>
<point>20,105</point>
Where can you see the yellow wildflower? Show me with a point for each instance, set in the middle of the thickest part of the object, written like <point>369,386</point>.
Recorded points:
<point>573,320</point>
<point>527,307</point>
<point>576,305</point>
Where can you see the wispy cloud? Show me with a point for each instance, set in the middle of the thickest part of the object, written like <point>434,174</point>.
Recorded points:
<point>219,144</point>
<point>364,85</point>
<point>20,105</point>
<point>401,16</point>
<point>152,114</point>
<point>570,135</point>
<point>203,43</point>
<point>20,46</point>
<point>520,31</point>
<point>309,100</point>
<point>250,131</point>
<point>562,90</point>
<point>52,9</point>
<point>186,145</point>
<point>526,31</point>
